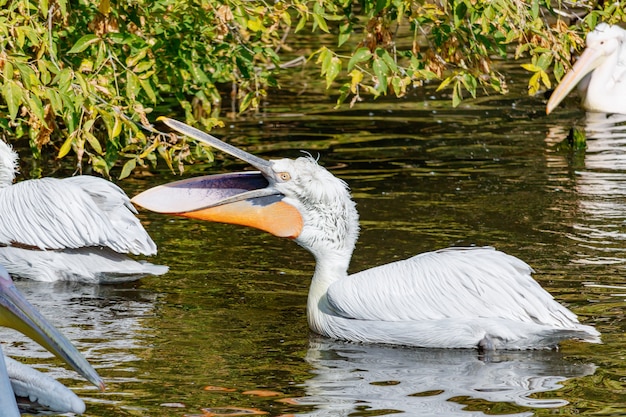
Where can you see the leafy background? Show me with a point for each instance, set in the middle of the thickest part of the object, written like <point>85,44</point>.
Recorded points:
<point>83,77</point>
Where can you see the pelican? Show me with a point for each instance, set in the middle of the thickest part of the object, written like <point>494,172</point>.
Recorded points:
<point>76,229</point>
<point>451,298</point>
<point>600,73</point>
<point>18,380</point>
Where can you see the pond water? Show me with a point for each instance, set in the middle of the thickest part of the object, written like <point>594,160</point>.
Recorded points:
<point>225,332</point>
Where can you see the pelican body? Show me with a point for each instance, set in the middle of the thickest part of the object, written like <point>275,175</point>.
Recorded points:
<point>18,380</point>
<point>600,73</point>
<point>451,298</point>
<point>75,229</point>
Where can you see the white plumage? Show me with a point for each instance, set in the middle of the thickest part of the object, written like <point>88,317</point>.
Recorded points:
<point>43,392</point>
<point>600,73</point>
<point>76,228</point>
<point>452,298</point>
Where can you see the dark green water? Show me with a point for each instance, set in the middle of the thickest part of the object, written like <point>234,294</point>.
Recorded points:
<point>225,333</point>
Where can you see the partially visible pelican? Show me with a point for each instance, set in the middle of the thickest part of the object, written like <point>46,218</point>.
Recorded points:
<point>451,298</point>
<point>76,229</point>
<point>600,73</point>
<point>18,380</point>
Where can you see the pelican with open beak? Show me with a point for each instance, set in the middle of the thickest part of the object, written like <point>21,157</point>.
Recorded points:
<point>600,73</point>
<point>453,298</point>
<point>19,380</point>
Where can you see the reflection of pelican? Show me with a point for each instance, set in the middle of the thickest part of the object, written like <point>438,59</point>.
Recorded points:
<point>364,379</point>
<point>74,229</point>
<point>20,380</point>
<point>465,298</point>
<point>601,192</point>
<point>601,71</point>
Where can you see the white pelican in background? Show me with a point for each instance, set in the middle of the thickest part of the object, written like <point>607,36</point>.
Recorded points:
<point>76,229</point>
<point>600,73</point>
<point>18,380</point>
<point>451,298</point>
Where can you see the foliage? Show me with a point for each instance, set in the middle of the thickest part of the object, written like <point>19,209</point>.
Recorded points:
<point>84,75</point>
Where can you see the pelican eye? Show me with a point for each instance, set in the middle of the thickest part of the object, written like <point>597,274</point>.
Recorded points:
<point>284,176</point>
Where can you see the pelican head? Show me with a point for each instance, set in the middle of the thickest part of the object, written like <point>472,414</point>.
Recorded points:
<point>19,314</point>
<point>288,198</point>
<point>600,72</point>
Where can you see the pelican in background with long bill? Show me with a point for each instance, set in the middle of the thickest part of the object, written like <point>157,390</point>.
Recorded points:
<point>600,73</point>
<point>18,380</point>
<point>452,298</point>
<point>72,229</point>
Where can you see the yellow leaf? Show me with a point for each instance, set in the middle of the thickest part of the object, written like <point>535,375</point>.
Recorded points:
<point>65,148</point>
<point>356,78</point>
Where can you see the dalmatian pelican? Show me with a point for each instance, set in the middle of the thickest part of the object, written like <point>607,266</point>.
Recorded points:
<point>75,229</point>
<point>473,297</point>
<point>19,380</point>
<point>600,73</point>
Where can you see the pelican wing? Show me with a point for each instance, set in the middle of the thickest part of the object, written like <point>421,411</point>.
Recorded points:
<point>73,212</point>
<point>449,283</point>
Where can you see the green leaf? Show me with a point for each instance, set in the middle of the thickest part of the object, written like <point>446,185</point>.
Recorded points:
<point>301,24</point>
<point>55,101</point>
<point>83,43</point>
<point>333,70</point>
<point>147,88</point>
<point>391,63</point>
<point>345,31</point>
<point>143,66</point>
<point>247,101</point>
<point>36,106</point>
<point>380,70</point>
<point>360,55</point>
<point>132,85</point>
<point>534,9</point>
<point>456,94</point>
<point>13,96</point>
<point>93,141</point>
<point>321,22</point>
<point>8,70</point>
<point>27,75</point>
<point>128,168</point>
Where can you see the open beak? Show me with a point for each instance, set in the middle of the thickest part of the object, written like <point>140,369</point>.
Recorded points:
<point>244,198</point>
<point>587,62</point>
<point>19,314</point>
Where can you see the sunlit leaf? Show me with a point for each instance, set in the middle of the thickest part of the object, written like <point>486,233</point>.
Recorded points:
<point>13,96</point>
<point>93,141</point>
<point>36,106</point>
<point>334,69</point>
<point>360,55</point>
<point>83,43</point>
<point>65,148</point>
<point>356,78</point>
<point>128,168</point>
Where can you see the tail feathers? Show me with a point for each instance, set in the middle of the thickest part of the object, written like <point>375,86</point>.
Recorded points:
<point>582,333</point>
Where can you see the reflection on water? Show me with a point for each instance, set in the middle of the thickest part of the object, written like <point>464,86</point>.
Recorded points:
<point>600,186</point>
<point>104,322</point>
<point>379,380</point>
